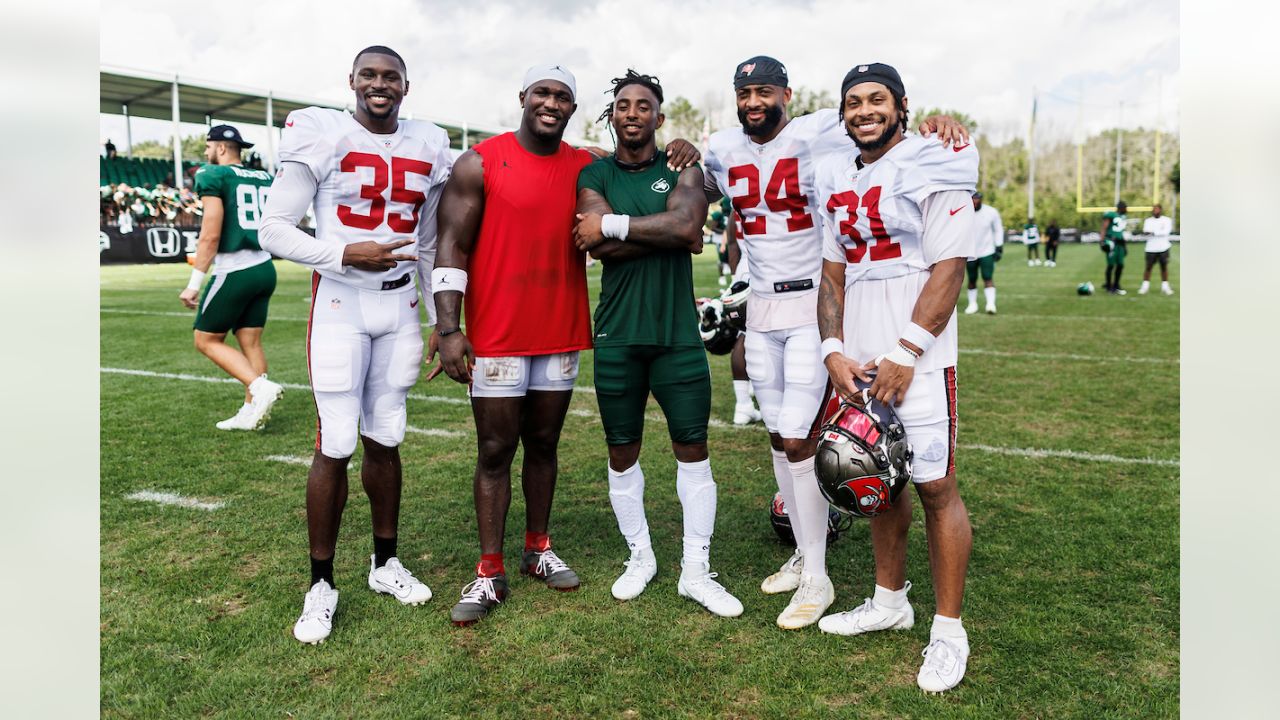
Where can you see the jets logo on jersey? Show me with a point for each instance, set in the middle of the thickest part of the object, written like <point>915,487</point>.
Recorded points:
<point>661,185</point>
<point>748,68</point>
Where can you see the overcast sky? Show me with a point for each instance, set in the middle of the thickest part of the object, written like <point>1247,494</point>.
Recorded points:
<point>465,61</point>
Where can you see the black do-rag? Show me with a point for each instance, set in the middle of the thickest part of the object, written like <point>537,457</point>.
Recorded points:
<point>760,70</point>
<point>873,72</point>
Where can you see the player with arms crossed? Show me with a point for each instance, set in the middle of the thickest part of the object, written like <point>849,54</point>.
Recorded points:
<point>767,168</point>
<point>643,220</point>
<point>1158,227</point>
<point>375,181</point>
<point>897,218</point>
<point>989,246</point>
<point>239,292</point>
<point>506,245</point>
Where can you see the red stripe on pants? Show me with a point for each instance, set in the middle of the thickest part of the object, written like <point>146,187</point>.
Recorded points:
<point>949,374</point>
<point>315,285</point>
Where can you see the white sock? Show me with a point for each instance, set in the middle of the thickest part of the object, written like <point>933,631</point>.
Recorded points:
<point>810,513</point>
<point>626,493</point>
<point>973,296</point>
<point>786,486</point>
<point>697,491</point>
<point>742,390</point>
<point>948,627</point>
<point>1145,285</point>
<point>1165,285</point>
<point>893,599</point>
<point>990,294</point>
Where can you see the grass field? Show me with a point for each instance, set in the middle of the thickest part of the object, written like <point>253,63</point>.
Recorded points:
<point>1071,605</point>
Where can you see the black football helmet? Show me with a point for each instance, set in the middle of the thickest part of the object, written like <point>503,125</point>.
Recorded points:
<point>718,336</point>
<point>864,459</point>
<point>837,522</point>
<point>735,304</point>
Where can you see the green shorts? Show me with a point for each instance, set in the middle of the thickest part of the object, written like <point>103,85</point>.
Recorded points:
<point>679,378</point>
<point>986,264</point>
<point>1117,253</point>
<point>237,300</point>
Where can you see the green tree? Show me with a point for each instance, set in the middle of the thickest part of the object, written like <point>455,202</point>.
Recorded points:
<point>805,101</point>
<point>192,148</point>
<point>684,120</point>
<point>963,118</point>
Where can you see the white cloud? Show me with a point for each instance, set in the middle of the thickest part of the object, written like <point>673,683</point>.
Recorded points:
<point>465,61</point>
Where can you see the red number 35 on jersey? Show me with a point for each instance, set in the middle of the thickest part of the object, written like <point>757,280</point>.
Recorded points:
<point>373,192</point>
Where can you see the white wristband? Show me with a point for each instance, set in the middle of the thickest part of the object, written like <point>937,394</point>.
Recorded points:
<point>615,226</point>
<point>898,356</point>
<point>448,279</point>
<point>832,345</point>
<point>918,336</point>
<point>197,279</point>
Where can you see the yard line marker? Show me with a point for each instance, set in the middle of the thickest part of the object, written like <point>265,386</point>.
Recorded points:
<point>294,386</point>
<point>190,314</point>
<point>290,459</point>
<point>1068,356</point>
<point>165,498</point>
<point>1071,455</point>
<point>435,432</point>
<point>713,422</point>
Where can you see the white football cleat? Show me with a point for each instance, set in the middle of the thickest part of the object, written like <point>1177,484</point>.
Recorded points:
<point>265,394</point>
<point>869,617</point>
<point>971,309</point>
<point>746,414</point>
<point>1031,263</point>
<point>318,608</point>
<point>242,420</point>
<point>699,585</point>
<point>640,570</point>
<point>991,308</point>
<point>787,578</point>
<point>1165,289</point>
<point>944,664</point>
<point>393,579</point>
<point>1143,288</point>
<point>807,605</point>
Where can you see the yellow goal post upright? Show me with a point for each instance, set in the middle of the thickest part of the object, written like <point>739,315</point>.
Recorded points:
<point>1155,171</point>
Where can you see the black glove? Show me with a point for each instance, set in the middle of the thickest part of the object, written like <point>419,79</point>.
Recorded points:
<point>999,253</point>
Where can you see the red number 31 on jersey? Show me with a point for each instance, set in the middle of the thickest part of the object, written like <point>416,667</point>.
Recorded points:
<point>884,248</point>
<point>400,167</point>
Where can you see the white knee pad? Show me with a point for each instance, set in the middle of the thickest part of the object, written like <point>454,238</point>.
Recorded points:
<point>338,430</point>
<point>626,494</point>
<point>764,366</point>
<point>697,492</point>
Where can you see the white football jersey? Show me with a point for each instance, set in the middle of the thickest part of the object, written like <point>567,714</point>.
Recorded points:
<point>369,186</point>
<point>889,222</point>
<point>988,231</point>
<point>771,187</point>
<point>1159,228</point>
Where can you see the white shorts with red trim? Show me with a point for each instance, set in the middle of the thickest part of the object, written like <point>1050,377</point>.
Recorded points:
<point>364,352</point>
<point>928,412</point>
<point>515,376</point>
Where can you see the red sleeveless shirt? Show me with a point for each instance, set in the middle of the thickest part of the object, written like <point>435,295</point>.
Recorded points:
<point>527,282</point>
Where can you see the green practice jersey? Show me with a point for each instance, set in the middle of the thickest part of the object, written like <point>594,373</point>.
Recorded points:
<point>646,300</point>
<point>1115,231</point>
<point>244,195</point>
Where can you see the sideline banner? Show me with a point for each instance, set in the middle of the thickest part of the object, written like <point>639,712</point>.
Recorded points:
<point>157,244</point>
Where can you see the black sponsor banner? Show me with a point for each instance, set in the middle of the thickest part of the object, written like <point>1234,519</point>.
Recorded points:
<point>158,244</point>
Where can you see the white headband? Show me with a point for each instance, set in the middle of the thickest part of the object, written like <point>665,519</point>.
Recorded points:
<point>551,72</point>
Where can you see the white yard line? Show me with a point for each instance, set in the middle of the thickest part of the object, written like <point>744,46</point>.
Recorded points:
<point>435,432</point>
<point>1070,455</point>
<point>289,459</point>
<point>165,498</point>
<point>191,314</point>
<point>653,417</point>
<point>1068,356</point>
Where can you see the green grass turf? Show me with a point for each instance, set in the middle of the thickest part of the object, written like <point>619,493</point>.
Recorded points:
<point>1071,603</point>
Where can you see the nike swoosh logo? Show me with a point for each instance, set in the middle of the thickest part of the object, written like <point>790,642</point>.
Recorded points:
<point>958,148</point>
<point>953,212</point>
<point>414,304</point>
<point>289,123</point>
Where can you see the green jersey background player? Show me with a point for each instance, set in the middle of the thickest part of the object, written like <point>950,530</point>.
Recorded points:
<point>239,291</point>
<point>1031,238</point>
<point>1113,244</point>
<point>643,219</point>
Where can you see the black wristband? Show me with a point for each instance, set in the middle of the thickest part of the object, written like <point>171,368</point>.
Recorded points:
<point>447,333</point>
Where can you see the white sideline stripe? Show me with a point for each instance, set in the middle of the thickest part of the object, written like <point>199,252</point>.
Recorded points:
<point>713,422</point>
<point>290,459</point>
<point>1070,455</point>
<point>1067,356</point>
<point>1090,318</point>
<point>189,314</point>
<point>165,498</point>
<point>435,432</point>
